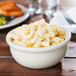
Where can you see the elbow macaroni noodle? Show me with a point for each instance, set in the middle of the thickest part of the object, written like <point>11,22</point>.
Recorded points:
<point>37,34</point>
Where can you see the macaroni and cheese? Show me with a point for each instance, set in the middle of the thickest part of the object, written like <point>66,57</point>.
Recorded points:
<point>37,34</point>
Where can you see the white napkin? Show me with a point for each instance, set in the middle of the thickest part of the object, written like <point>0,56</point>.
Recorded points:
<point>60,20</point>
<point>72,13</point>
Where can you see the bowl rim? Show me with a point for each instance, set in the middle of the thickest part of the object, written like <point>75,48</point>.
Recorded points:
<point>40,49</point>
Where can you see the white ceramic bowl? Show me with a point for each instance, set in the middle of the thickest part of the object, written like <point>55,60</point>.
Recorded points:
<point>39,58</point>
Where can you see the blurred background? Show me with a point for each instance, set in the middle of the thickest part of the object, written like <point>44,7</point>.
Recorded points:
<point>63,3</point>
<point>61,12</point>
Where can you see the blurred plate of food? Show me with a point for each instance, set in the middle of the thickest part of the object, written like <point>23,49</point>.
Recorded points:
<point>12,14</point>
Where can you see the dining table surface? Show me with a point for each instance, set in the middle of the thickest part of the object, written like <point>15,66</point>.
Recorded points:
<point>9,67</point>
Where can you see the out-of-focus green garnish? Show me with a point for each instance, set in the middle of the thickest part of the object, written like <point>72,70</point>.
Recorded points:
<point>4,19</point>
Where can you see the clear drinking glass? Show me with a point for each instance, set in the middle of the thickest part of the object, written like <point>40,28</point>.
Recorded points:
<point>51,7</point>
<point>34,7</point>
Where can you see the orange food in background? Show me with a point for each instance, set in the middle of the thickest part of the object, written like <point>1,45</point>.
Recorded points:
<point>9,8</point>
